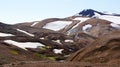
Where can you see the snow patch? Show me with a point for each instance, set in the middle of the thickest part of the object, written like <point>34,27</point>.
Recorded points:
<point>25,32</point>
<point>81,19</point>
<point>86,27</point>
<point>42,38</point>
<point>115,25</point>
<point>58,41</point>
<point>24,45</point>
<point>34,24</point>
<point>96,15</point>
<point>5,34</point>
<point>58,51</point>
<point>57,25</point>
<point>69,41</point>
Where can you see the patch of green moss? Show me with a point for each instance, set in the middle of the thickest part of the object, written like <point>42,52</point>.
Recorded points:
<point>51,58</point>
<point>48,47</point>
<point>13,52</point>
<point>45,47</point>
<point>44,56</point>
<point>39,55</point>
<point>42,48</point>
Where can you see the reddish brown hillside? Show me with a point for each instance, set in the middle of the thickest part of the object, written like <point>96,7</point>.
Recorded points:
<point>104,50</point>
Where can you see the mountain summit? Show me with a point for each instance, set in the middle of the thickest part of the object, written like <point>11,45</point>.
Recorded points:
<point>92,13</point>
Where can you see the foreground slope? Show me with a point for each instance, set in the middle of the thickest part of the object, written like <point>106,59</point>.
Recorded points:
<point>104,50</point>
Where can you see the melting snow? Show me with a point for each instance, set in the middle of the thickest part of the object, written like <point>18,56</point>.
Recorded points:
<point>42,38</point>
<point>24,45</point>
<point>58,41</point>
<point>96,15</point>
<point>81,20</point>
<point>86,27</point>
<point>69,41</point>
<point>113,19</point>
<point>57,25</point>
<point>34,24</point>
<point>25,32</point>
<point>115,25</point>
<point>58,51</point>
<point>5,35</point>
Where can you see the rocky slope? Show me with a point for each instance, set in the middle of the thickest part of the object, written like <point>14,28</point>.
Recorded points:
<point>104,50</point>
<point>44,44</point>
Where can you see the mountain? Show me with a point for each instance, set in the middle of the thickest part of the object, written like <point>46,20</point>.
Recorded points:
<point>55,39</point>
<point>100,15</point>
<point>92,13</point>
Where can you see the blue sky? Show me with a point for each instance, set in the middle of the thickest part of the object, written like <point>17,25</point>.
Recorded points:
<point>17,11</point>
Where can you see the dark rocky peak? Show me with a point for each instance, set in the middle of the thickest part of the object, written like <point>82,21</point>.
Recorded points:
<point>90,13</point>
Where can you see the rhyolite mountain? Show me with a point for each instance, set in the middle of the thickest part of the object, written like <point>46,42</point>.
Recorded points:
<point>55,39</point>
<point>104,49</point>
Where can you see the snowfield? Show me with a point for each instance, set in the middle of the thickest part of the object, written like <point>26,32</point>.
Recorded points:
<point>24,45</point>
<point>5,34</point>
<point>113,19</point>
<point>57,25</point>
